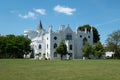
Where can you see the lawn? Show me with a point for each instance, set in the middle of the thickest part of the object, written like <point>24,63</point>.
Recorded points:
<point>26,69</point>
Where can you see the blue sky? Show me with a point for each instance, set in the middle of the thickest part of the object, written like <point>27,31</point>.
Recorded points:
<point>19,15</point>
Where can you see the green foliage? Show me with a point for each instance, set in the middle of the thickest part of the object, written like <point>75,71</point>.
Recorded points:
<point>87,50</point>
<point>61,49</point>
<point>96,36</point>
<point>12,46</point>
<point>98,50</point>
<point>113,43</point>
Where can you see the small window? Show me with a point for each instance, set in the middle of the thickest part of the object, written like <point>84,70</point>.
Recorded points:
<point>40,46</point>
<point>70,47</point>
<point>68,37</point>
<point>55,54</point>
<point>55,45</point>
<point>39,54</point>
<point>80,36</point>
<point>47,46</point>
<point>47,38</point>
<point>55,38</point>
<point>88,36</point>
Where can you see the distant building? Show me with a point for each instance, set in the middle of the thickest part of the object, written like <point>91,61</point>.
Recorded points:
<point>109,54</point>
<point>44,41</point>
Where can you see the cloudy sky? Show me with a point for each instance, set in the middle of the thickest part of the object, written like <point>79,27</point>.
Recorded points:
<point>19,15</point>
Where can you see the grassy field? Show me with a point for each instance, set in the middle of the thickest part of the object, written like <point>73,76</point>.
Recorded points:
<point>25,69</point>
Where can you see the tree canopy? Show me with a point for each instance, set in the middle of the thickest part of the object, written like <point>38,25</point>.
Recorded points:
<point>96,36</point>
<point>61,49</point>
<point>12,46</point>
<point>113,43</point>
<point>98,50</point>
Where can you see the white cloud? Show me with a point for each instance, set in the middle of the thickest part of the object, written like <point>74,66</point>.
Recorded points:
<point>29,15</point>
<point>65,10</point>
<point>40,11</point>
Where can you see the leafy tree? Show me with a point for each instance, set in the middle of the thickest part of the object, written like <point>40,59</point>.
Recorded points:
<point>2,46</point>
<point>113,43</point>
<point>12,46</point>
<point>98,50</point>
<point>87,50</point>
<point>62,49</point>
<point>96,36</point>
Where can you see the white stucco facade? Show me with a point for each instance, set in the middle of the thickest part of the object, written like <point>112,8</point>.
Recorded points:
<point>44,41</point>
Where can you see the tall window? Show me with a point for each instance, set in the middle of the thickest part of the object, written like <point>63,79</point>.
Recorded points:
<point>40,46</point>
<point>55,54</point>
<point>70,47</point>
<point>68,37</point>
<point>55,45</point>
<point>84,41</point>
<point>47,46</point>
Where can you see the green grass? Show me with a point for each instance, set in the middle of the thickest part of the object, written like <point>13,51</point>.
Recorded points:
<point>25,69</point>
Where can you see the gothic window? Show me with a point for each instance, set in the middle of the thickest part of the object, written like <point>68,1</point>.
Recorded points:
<point>47,46</point>
<point>70,47</point>
<point>88,36</point>
<point>55,38</point>
<point>55,45</point>
<point>40,46</point>
<point>84,41</point>
<point>39,54</point>
<point>68,37</point>
<point>55,54</point>
<point>80,36</point>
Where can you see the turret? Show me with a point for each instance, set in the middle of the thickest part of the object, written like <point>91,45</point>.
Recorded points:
<point>91,29</point>
<point>85,30</point>
<point>50,29</point>
<point>39,26</point>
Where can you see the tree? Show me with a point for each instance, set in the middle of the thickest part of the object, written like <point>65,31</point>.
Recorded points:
<point>62,49</point>
<point>113,43</point>
<point>2,46</point>
<point>98,50</point>
<point>96,36</point>
<point>87,50</point>
<point>12,46</point>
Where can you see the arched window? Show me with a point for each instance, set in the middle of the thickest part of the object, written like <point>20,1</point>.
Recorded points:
<point>80,36</point>
<point>84,41</point>
<point>68,37</point>
<point>70,47</point>
<point>55,54</point>
<point>39,54</point>
<point>55,38</point>
<point>55,45</point>
<point>47,46</point>
<point>40,46</point>
<point>88,36</point>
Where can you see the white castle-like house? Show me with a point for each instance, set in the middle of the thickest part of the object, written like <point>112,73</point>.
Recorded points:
<point>44,42</point>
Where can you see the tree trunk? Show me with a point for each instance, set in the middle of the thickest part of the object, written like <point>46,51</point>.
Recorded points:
<point>61,57</point>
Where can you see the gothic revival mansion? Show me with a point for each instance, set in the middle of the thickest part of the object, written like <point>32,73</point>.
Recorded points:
<point>44,42</point>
